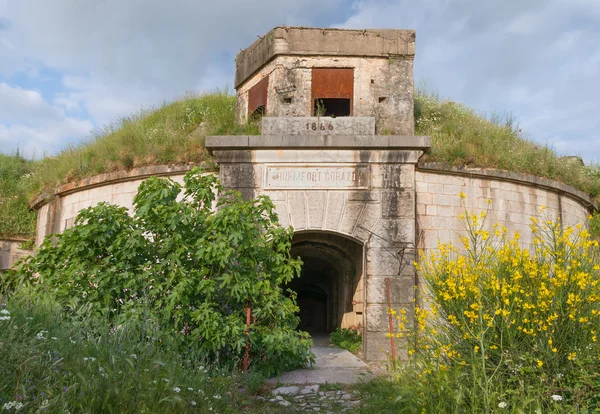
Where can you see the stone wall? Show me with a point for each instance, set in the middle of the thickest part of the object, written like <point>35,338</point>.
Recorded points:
<point>513,199</point>
<point>383,88</point>
<point>57,211</point>
<point>11,252</point>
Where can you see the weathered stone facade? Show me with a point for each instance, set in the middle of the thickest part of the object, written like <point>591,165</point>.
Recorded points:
<point>381,61</point>
<point>360,188</point>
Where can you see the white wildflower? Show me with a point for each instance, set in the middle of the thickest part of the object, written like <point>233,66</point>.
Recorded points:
<point>190,389</point>
<point>193,402</point>
<point>557,397</point>
<point>54,338</point>
<point>4,312</point>
<point>40,334</point>
<point>217,397</point>
<point>502,404</point>
<point>176,389</point>
<point>4,318</point>
<point>13,404</point>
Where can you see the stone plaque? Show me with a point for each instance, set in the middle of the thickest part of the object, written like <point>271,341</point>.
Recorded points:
<point>351,176</point>
<point>346,125</point>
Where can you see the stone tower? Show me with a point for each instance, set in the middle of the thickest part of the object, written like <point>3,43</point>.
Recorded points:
<point>337,156</point>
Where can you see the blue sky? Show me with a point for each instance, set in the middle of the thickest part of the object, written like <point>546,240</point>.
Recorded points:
<point>68,67</point>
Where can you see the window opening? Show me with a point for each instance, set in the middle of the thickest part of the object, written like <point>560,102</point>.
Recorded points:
<point>333,107</point>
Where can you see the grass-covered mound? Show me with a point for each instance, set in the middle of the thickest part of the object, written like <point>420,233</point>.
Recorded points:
<point>171,134</point>
<point>15,217</point>
<point>461,137</point>
<point>174,134</point>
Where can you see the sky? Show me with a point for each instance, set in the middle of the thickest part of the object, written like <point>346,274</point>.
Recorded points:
<point>70,67</point>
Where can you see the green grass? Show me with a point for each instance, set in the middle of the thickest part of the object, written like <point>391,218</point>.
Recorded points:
<point>157,136</point>
<point>462,137</point>
<point>15,217</point>
<point>54,363</point>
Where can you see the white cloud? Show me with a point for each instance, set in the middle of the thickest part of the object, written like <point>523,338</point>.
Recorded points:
<point>30,123</point>
<point>21,105</point>
<point>538,59</point>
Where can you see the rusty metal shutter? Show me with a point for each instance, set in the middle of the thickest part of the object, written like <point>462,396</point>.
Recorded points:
<point>257,96</point>
<point>333,83</point>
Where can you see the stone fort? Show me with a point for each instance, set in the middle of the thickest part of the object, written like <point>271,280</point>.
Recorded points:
<point>338,156</point>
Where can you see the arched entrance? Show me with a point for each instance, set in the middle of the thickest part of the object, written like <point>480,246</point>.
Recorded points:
<point>330,286</point>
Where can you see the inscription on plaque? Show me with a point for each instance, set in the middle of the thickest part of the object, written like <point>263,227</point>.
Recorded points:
<point>318,177</point>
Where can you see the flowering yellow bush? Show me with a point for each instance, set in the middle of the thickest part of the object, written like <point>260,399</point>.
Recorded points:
<point>512,319</point>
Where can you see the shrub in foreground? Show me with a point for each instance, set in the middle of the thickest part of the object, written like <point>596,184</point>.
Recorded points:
<point>507,327</point>
<point>199,268</point>
<point>345,338</point>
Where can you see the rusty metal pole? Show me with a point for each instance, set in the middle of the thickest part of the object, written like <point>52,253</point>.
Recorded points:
<point>247,354</point>
<point>390,319</point>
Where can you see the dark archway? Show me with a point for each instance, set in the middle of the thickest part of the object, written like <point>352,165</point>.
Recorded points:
<point>330,287</point>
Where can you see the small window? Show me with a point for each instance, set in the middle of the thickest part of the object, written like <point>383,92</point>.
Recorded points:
<point>287,100</point>
<point>257,97</point>
<point>332,91</point>
<point>257,114</point>
<point>333,107</point>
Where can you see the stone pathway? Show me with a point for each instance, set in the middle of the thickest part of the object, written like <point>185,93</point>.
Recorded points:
<point>309,398</point>
<point>312,389</point>
<point>333,365</point>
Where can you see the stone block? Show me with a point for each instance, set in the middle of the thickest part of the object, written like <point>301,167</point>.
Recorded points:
<point>441,199</point>
<point>276,195</point>
<point>367,221</point>
<point>436,188</point>
<point>392,176</point>
<point>335,208</point>
<point>349,220</point>
<point>377,316</point>
<point>397,203</point>
<point>318,126</point>
<point>282,213</point>
<point>391,261</point>
<point>241,175</point>
<point>445,211</point>
<point>377,347</point>
<point>394,232</point>
<point>402,289</point>
<point>452,189</point>
<point>431,210</point>
<point>316,208</point>
<point>297,209</point>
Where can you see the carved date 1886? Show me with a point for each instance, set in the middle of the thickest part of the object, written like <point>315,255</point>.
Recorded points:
<point>321,126</point>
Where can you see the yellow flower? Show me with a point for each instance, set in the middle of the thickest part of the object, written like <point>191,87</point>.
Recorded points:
<point>476,349</point>
<point>462,195</point>
<point>572,356</point>
<point>539,363</point>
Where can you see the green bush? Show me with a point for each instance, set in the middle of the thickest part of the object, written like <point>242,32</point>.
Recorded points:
<point>506,327</point>
<point>349,339</point>
<point>197,267</point>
